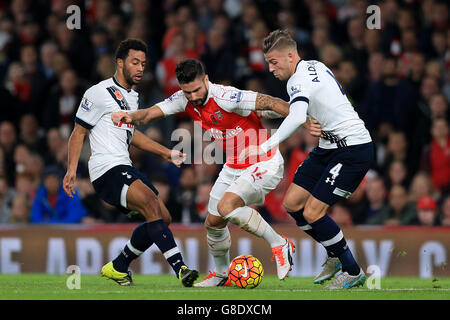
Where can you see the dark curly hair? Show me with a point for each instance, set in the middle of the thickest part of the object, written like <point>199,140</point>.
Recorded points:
<point>130,44</point>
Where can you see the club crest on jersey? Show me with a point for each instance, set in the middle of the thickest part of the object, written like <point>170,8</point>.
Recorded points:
<point>216,117</point>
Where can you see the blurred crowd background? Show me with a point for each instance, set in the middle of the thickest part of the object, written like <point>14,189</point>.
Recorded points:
<point>398,79</point>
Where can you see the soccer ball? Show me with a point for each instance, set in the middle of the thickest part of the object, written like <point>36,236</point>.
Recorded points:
<point>245,271</point>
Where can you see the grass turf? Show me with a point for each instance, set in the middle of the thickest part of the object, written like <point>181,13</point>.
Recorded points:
<point>92,287</point>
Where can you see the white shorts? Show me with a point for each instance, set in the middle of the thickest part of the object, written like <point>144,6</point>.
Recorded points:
<point>251,184</point>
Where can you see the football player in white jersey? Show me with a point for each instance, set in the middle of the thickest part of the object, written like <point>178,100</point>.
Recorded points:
<point>114,178</point>
<point>334,169</point>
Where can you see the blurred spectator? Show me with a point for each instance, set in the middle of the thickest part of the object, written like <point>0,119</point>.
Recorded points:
<point>21,154</point>
<point>218,58</point>
<point>24,185</point>
<point>426,212</point>
<point>341,215</point>
<point>445,211</point>
<point>6,198</point>
<point>185,198</point>
<point>18,84</point>
<point>396,149</point>
<point>52,205</point>
<point>165,70</point>
<point>356,50</point>
<point>399,210</point>
<point>439,106</point>
<point>386,99</point>
<point>30,134</point>
<point>397,175</point>
<point>436,156</point>
<point>54,143</point>
<point>421,186</point>
<point>374,203</point>
<point>257,34</point>
<point>20,211</point>
<point>62,103</point>
<point>8,141</point>
<point>347,77</point>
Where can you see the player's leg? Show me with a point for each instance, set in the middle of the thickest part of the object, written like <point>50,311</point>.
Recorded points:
<point>342,176</point>
<point>298,193</point>
<point>218,239</point>
<point>141,198</point>
<point>218,236</point>
<point>251,188</point>
<point>138,243</point>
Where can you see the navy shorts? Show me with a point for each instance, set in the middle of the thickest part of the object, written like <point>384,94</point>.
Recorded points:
<point>333,174</point>
<point>113,185</point>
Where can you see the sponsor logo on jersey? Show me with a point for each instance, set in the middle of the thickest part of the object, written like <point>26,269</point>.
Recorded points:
<point>219,134</point>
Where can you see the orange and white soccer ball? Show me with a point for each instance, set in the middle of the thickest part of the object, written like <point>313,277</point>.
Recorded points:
<point>245,271</point>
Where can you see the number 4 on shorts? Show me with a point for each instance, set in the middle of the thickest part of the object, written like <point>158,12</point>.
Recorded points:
<point>335,170</point>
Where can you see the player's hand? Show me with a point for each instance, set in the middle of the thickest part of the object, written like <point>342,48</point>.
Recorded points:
<point>176,157</point>
<point>313,126</point>
<point>120,116</point>
<point>250,152</point>
<point>69,183</point>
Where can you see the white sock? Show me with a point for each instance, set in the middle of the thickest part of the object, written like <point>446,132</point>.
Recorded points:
<point>251,221</point>
<point>219,243</point>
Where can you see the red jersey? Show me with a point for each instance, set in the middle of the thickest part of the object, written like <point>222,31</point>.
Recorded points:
<point>227,116</point>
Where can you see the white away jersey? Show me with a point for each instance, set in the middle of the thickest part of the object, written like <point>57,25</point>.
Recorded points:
<point>109,143</point>
<point>315,84</point>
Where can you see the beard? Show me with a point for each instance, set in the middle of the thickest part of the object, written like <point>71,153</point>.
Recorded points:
<point>198,102</point>
<point>127,76</point>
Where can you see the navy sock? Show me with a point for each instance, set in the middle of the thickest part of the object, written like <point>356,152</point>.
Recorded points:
<point>163,238</point>
<point>304,225</point>
<point>139,242</point>
<point>331,236</point>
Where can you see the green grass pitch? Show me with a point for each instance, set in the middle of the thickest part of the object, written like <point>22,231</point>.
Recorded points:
<point>92,287</point>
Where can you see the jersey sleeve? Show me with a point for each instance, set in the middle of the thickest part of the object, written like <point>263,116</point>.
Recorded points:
<point>298,89</point>
<point>174,104</point>
<point>91,109</point>
<point>235,100</point>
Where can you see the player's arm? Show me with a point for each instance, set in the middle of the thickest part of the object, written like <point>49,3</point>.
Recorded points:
<point>75,145</point>
<point>141,141</point>
<point>273,108</point>
<point>139,117</point>
<point>296,117</point>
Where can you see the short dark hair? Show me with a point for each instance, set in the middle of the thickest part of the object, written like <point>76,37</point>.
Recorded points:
<point>130,44</point>
<point>278,39</point>
<point>189,70</point>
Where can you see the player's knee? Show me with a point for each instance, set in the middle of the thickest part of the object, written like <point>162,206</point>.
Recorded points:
<point>225,207</point>
<point>314,211</point>
<point>292,206</point>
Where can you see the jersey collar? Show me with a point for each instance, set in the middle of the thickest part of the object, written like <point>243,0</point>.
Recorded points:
<point>117,83</point>
<point>296,66</point>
